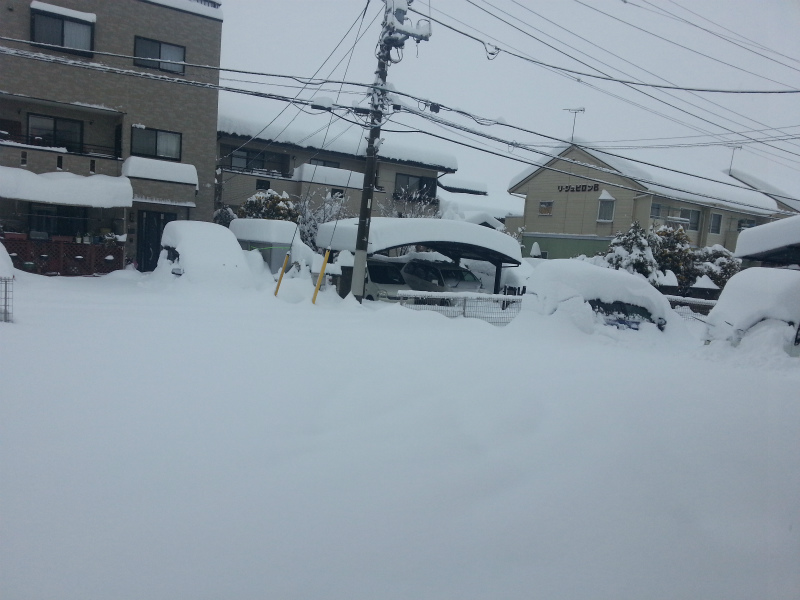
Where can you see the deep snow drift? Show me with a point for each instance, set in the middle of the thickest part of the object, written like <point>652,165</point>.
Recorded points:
<point>165,439</point>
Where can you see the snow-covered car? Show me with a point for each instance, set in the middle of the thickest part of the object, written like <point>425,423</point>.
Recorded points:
<point>618,297</point>
<point>758,301</point>
<point>383,280</point>
<point>440,276</point>
<point>202,252</point>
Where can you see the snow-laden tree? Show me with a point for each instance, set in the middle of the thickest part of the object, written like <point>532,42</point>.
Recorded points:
<point>632,251</point>
<point>717,262</point>
<point>315,210</point>
<point>223,216</point>
<point>673,252</point>
<point>268,204</point>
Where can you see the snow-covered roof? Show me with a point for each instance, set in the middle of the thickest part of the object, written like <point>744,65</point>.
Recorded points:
<point>558,280</point>
<point>386,233</point>
<point>6,265</point>
<point>160,170</point>
<point>770,236</point>
<point>753,295</point>
<point>312,132</point>
<point>671,184</point>
<point>64,12</point>
<point>98,191</point>
<point>768,188</point>
<point>264,231</point>
<point>479,217</point>
<point>705,283</point>
<point>193,6</point>
<point>340,178</point>
<point>499,206</point>
<point>453,183</point>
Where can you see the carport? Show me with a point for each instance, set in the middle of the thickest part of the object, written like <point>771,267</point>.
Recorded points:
<point>456,240</point>
<point>773,244</point>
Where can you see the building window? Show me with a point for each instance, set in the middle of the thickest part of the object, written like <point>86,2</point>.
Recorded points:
<point>151,49</point>
<point>58,220</point>
<point>155,143</point>
<point>606,210</point>
<point>694,218</point>
<point>59,30</point>
<point>262,184</point>
<point>545,209</point>
<point>324,163</point>
<point>716,223</point>
<point>746,224</point>
<point>55,132</point>
<point>412,187</point>
<point>655,211</point>
<point>254,160</point>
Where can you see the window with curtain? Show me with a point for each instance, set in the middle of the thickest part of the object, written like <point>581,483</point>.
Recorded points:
<point>155,143</point>
<point>58,30</point>
<point>606,210</point>
<point>148,52</point>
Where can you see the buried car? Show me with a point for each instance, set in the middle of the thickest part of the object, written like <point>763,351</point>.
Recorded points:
<point>758,301</point>
<point>383,280</point>
<point>619,298</point>
<point>440,276</point>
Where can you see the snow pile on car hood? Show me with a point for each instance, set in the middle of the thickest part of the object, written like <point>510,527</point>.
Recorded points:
<point>754,295</point>
<point>207,253</point>
<point>556,281</point>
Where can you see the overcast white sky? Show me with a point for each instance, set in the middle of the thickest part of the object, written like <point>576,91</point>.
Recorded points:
<point>296,37</point>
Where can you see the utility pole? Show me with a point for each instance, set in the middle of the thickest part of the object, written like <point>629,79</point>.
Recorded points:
<point>396,30</point>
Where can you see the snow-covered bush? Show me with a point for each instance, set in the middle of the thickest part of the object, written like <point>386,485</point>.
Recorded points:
<point>314,211</point>
<point>268,204</point>
<point>673,252</point>
<point>223,216</point>
<point>632,251</point>
<point>717,262</point>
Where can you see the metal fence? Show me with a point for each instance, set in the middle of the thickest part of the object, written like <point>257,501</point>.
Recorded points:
<point>691,308</point>
<point>496,309</point>
<point>6,299</point>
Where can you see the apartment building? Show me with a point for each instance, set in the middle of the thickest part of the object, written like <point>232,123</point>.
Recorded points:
<point>572,208</point>
<point>98,142</point>
<point>309,161</point>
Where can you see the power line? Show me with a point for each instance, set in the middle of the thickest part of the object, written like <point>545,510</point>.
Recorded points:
<point>635,89</point>
<point>674,43</point>
<point>493,50</point>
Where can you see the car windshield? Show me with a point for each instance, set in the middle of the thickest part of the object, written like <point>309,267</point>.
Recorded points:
<point>456,276</point>
<point>385,274</point>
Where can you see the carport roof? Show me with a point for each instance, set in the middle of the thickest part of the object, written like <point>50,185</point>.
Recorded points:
<point>456,239</point>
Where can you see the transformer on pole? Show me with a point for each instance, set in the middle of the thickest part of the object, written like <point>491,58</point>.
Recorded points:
<point>396,30</point>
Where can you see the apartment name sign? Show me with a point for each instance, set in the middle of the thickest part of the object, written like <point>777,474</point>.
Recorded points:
<point>580,188</point>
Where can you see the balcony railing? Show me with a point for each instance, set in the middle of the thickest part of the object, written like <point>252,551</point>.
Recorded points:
<point>57,257</point>
<point>40,143</point>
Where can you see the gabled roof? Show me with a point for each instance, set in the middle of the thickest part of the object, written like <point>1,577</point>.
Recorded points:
<point>717,188</point>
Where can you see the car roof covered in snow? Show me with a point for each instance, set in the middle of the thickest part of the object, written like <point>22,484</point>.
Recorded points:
<point>778,241</point>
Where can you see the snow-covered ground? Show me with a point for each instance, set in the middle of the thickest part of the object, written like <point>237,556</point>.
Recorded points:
<point>166,439</point>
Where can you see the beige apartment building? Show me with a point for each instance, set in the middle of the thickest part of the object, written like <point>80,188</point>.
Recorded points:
<point>98,143</point>
<point>311,168</point>
<point>573,209</point>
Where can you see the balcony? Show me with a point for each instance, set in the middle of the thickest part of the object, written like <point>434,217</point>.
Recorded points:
<point>65,146</point>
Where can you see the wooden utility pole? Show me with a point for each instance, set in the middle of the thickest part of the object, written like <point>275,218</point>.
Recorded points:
<point>396,30</point>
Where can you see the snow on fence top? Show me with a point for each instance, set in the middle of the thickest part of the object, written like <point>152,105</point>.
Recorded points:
<point>160,170</point>
<point>385,233</point>
<point>331,176</point>
<point>64,12</point>
<point>97,191</point>
<point>770,236</point>
<point>205,8</point>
